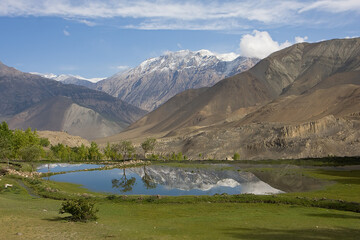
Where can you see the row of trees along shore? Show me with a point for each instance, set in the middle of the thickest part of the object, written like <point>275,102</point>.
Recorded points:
<point>28,146</point>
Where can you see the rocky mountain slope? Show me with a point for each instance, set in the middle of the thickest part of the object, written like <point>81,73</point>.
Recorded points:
<point>64,138</point>
<point>28,100</point>
<point>302,101</point>
<point>156,80</point>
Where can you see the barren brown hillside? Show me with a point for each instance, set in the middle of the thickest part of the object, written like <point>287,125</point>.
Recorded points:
<point>303,85</point>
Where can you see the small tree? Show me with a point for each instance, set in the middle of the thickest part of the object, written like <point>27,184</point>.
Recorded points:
<point>93,152</point>
<point>127,149</point>
<point>44,142</point>
<point>107,152</point>
<point>148,145</point>
<point>236,156</point>
<point>115,152</point>
<point>31,153</point>
<point>81,210</point>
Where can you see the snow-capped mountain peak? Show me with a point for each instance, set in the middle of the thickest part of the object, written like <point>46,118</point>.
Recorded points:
<point>158,79</point>
<point>182,59</point>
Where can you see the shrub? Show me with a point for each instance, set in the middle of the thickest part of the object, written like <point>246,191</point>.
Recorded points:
<point>81,210</point>
<point>236,156</point>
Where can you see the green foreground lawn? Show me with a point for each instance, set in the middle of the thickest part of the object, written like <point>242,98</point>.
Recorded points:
<point>39,219</point>
<point>26,217</point>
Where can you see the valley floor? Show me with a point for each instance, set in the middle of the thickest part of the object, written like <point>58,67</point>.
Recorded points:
<point>26,217</point>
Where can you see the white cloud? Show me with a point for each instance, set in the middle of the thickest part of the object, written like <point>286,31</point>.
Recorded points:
<point>87,22</point>
<point>334,6</point>
<point>259,45</point>
<point>66,33</point>
<point>122,68</point>
<point>300,39</point>
<point>179,14</point>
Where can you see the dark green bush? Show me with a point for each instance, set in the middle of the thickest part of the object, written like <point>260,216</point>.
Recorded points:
<point>81,210</point>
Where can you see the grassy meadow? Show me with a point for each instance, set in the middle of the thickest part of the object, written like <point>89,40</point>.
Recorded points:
<point>289,216</point>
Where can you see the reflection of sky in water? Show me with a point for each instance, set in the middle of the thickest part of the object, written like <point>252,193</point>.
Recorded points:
<point>170,181</point>
<point>64,167</point>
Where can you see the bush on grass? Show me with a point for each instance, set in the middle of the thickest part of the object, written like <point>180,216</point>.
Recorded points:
<point>81,210</point>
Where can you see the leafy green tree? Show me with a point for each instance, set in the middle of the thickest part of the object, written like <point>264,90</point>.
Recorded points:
<point>6,136</point>
<point>236,156</point>
<point>94,153</point>
<point>44,142</point>
<point>31,152</point>
<point>61,152</point>
<point>79,153</point>
<point>107,152</point>
<point>22,142</point>
<point>148,145</point>
<point>83,152</point>
<point>112,151</point>
<point>127,149</point>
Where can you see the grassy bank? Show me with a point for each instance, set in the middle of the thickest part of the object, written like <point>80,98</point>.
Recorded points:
<point>22,217</point>
<point>285,216</point>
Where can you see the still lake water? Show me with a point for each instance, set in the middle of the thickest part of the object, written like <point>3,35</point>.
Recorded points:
<point>161,179</point>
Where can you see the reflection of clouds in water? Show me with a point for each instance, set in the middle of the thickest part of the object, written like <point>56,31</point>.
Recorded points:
<point>54,165</point>
<point>258,188</point>
<point>66,167</point>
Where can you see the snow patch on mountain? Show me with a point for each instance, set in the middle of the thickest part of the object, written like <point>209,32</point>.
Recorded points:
<point>65,77</point>
<point>158,79</point>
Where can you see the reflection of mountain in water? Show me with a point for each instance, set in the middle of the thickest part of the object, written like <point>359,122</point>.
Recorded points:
<point>64,167</point>
<point>61,165</point>
<point>204,179</point>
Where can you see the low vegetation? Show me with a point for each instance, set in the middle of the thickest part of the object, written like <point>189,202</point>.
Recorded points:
<point>28,146</point>
<point>81,209</point>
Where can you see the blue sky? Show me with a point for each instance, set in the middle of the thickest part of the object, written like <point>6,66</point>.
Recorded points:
<point>94,38</point>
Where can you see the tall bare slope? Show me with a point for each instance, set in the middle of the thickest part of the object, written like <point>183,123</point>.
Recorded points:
<point>294,70</point>
<point>302,101</point>
<point>31,100</point>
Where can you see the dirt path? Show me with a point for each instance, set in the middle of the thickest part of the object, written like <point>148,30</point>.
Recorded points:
<point>29,190</point>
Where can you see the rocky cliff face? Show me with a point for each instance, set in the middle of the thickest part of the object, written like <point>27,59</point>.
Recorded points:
<point>156,80</point>
<point>322,138</point>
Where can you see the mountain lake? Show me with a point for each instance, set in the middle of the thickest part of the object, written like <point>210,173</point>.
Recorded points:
<point>209,179</point>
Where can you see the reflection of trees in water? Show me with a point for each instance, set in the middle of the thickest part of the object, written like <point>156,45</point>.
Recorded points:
<point>124,184</point>
<point>148,181</point>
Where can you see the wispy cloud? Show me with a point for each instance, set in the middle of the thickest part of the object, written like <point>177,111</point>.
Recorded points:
<point>66,33</point>
<point>120,68</point>
<point>179,14</point>
<point>334,6</point>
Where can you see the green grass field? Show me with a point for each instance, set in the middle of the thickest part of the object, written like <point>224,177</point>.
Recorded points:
<point>26,217</point>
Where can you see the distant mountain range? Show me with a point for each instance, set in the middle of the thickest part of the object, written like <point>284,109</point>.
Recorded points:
<point>71,79</point>
<point>156,80</point>
<point>302,101</point>
<point>28,100</point>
